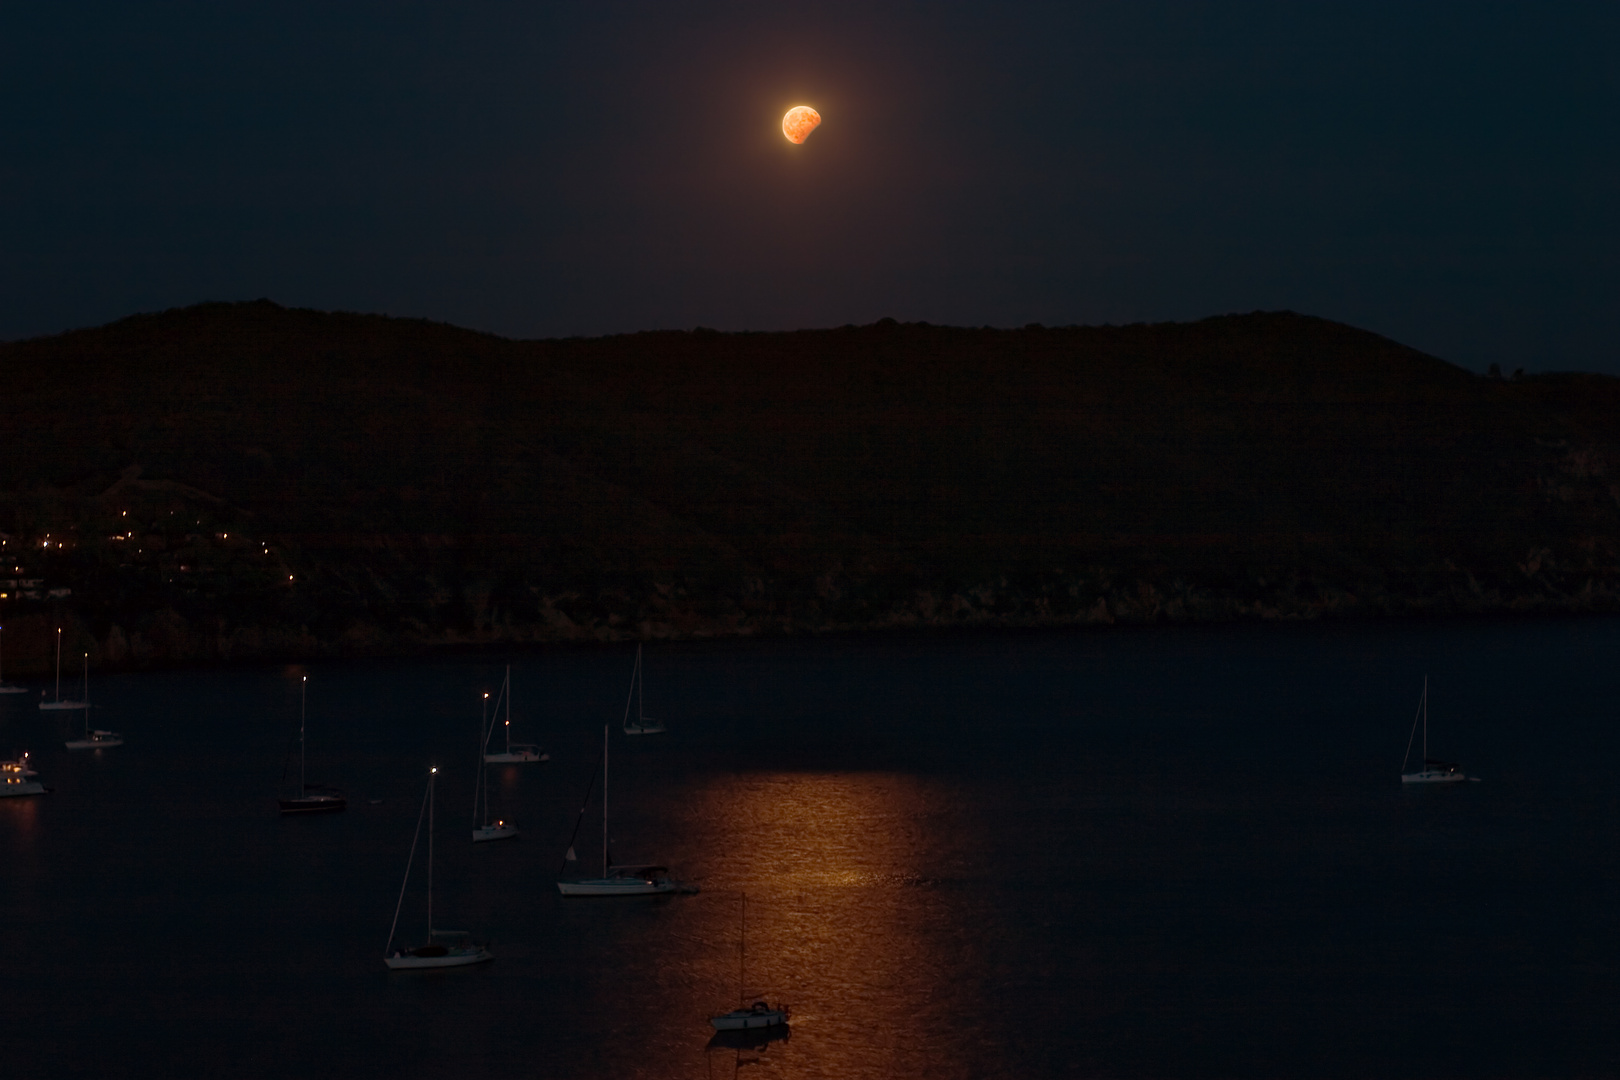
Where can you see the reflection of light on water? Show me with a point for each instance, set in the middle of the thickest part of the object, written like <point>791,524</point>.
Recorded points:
<point>20,813</point>
<point>822,830</point>
<point>844,920</point>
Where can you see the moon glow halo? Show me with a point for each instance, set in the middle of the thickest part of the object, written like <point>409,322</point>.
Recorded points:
<point>799,122</point>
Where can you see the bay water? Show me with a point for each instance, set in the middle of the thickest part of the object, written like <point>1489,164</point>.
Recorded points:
<point>1148,852</point>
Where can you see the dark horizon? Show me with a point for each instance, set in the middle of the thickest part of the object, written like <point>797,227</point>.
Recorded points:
<point>181,309</point>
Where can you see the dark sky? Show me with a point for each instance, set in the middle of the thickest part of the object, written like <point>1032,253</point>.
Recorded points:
<point>1443,173</point>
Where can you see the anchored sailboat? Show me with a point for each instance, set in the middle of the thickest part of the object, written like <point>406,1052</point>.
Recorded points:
<point>310,798</point>
<point>640,880</point>
<point>1433,770</point>
<point>515,753</point>
<point>5,688</point>
<point>642,725</point>
<point>485,825</point>
<point>444,948</point>
<point>745,1017</point>
<point>92,740</point>
<point>59,703</point>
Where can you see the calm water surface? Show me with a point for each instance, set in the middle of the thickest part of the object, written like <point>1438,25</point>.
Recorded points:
<point>1138,853</point>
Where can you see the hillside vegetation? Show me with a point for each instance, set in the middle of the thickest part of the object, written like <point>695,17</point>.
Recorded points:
<point>244,480</point>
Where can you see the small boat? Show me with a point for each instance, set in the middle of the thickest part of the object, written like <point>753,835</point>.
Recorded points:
<point>443,948</point>
<point>626,880</point>
<point>646,880</point>
<point>486,826</point>
<point>642,725</point>
<point>310,798</point>
<point>515,753</point>
<point>97,739</point>
<point>59,703</point>
<point>5,687</point>
<point>18,778</point>
<point>758,1015</point>
<point>498,829</point>
<point>1434,771</point>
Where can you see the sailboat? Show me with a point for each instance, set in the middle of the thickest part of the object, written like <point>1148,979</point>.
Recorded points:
<point>642,725</point>
<point>640,880</point>
<point>59,703</point>
<point>515,753</point>
<point>17,778</point>
<point>444,948</point>
<point>759,1014</point>
<point>92,740</point>
<point>485,825</point>
<point>310,798</point>
<point>1433,771</point>
<point>5,688</point>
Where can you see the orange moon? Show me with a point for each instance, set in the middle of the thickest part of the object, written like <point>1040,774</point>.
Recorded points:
<point>799,122</point>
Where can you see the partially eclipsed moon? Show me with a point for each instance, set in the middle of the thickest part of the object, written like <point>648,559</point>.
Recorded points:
<point>799,122</point>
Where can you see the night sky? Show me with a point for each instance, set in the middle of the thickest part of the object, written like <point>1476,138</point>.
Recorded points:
<point>1443,173</point>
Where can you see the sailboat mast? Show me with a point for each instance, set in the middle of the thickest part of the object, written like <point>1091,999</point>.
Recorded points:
<point>508,708</point>
<point>630,696</point>
<point>641,682</point>
<point>604,800</point>
<point>87,695</point>
<point>483,747</point>
<point>416,836</point>
<point>303,699</point>
<point>1425,721</point>
<point>432,775</point>
<point>58,663</point>
<point>742,951</point>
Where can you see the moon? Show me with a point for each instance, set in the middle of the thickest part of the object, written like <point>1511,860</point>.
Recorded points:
<point>799,122</point>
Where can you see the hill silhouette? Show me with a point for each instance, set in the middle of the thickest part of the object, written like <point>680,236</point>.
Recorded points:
<point>238,480</point>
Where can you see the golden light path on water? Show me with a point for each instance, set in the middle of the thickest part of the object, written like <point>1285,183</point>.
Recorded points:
<point>844,926</point>
<point>846,922</point>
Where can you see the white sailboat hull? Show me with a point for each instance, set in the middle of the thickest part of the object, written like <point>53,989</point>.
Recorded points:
<point>748,1019</point>
<point>646,727</point>
<point>7,688</point>
<point>616,887</point>
<point>452,958</point>
<point>96,741</point>
<point>1433,776</point>
<point>494,832</point>
<point>52,706</point>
